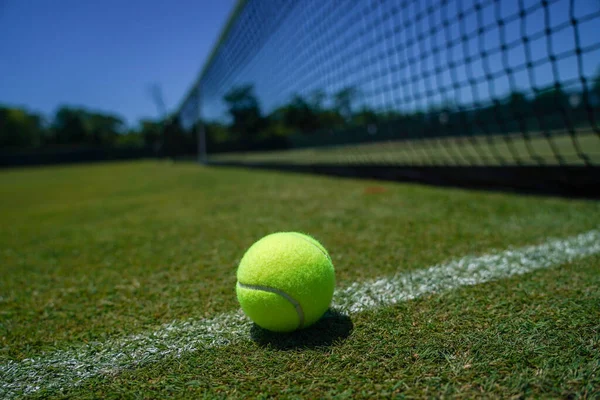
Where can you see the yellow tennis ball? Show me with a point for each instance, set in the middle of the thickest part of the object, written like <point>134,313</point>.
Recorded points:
<point>285,281</point>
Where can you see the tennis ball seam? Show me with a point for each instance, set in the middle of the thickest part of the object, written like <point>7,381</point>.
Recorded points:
<point>311,243</point>
<point>281,293</point>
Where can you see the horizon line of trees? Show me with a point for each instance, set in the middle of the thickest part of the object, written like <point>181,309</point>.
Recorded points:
<point>302,120</point>
<point>73,127</point>
<point>307,121</point>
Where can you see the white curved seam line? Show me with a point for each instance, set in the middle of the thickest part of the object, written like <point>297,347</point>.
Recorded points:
<point>312,244</point>
<point>281,293</point>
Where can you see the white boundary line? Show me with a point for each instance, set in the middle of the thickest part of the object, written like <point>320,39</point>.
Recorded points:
<point>62,369</point>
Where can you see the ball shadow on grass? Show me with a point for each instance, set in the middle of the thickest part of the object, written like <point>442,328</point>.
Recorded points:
<point>332,327</point>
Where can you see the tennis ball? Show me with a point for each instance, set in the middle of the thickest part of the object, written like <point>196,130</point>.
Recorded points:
<point>285,281</point>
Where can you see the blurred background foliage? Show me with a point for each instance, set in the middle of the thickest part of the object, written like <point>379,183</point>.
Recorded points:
<point>303,121</point>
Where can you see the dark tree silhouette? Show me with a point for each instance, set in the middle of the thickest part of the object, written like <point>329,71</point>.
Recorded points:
<point>245,113</point>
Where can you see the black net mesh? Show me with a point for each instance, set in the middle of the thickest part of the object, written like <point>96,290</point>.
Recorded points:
<point>403,83</point>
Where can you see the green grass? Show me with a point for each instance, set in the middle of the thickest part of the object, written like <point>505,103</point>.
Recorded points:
<point>98,252</point>
<point>482,150</point>
<point>533,338</point>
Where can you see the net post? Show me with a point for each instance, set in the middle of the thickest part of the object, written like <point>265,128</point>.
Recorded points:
<point>200,132</point>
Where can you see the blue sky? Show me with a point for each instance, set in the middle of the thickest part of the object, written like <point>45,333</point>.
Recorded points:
<point>401,55</point>
<point>104,55</point>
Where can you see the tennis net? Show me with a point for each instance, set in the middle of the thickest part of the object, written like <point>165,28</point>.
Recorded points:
<point>382,82</point>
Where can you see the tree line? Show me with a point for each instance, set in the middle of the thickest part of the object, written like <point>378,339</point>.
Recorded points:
<point>70,126</point>
<point>308,121</point>
<point>316,119</point>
